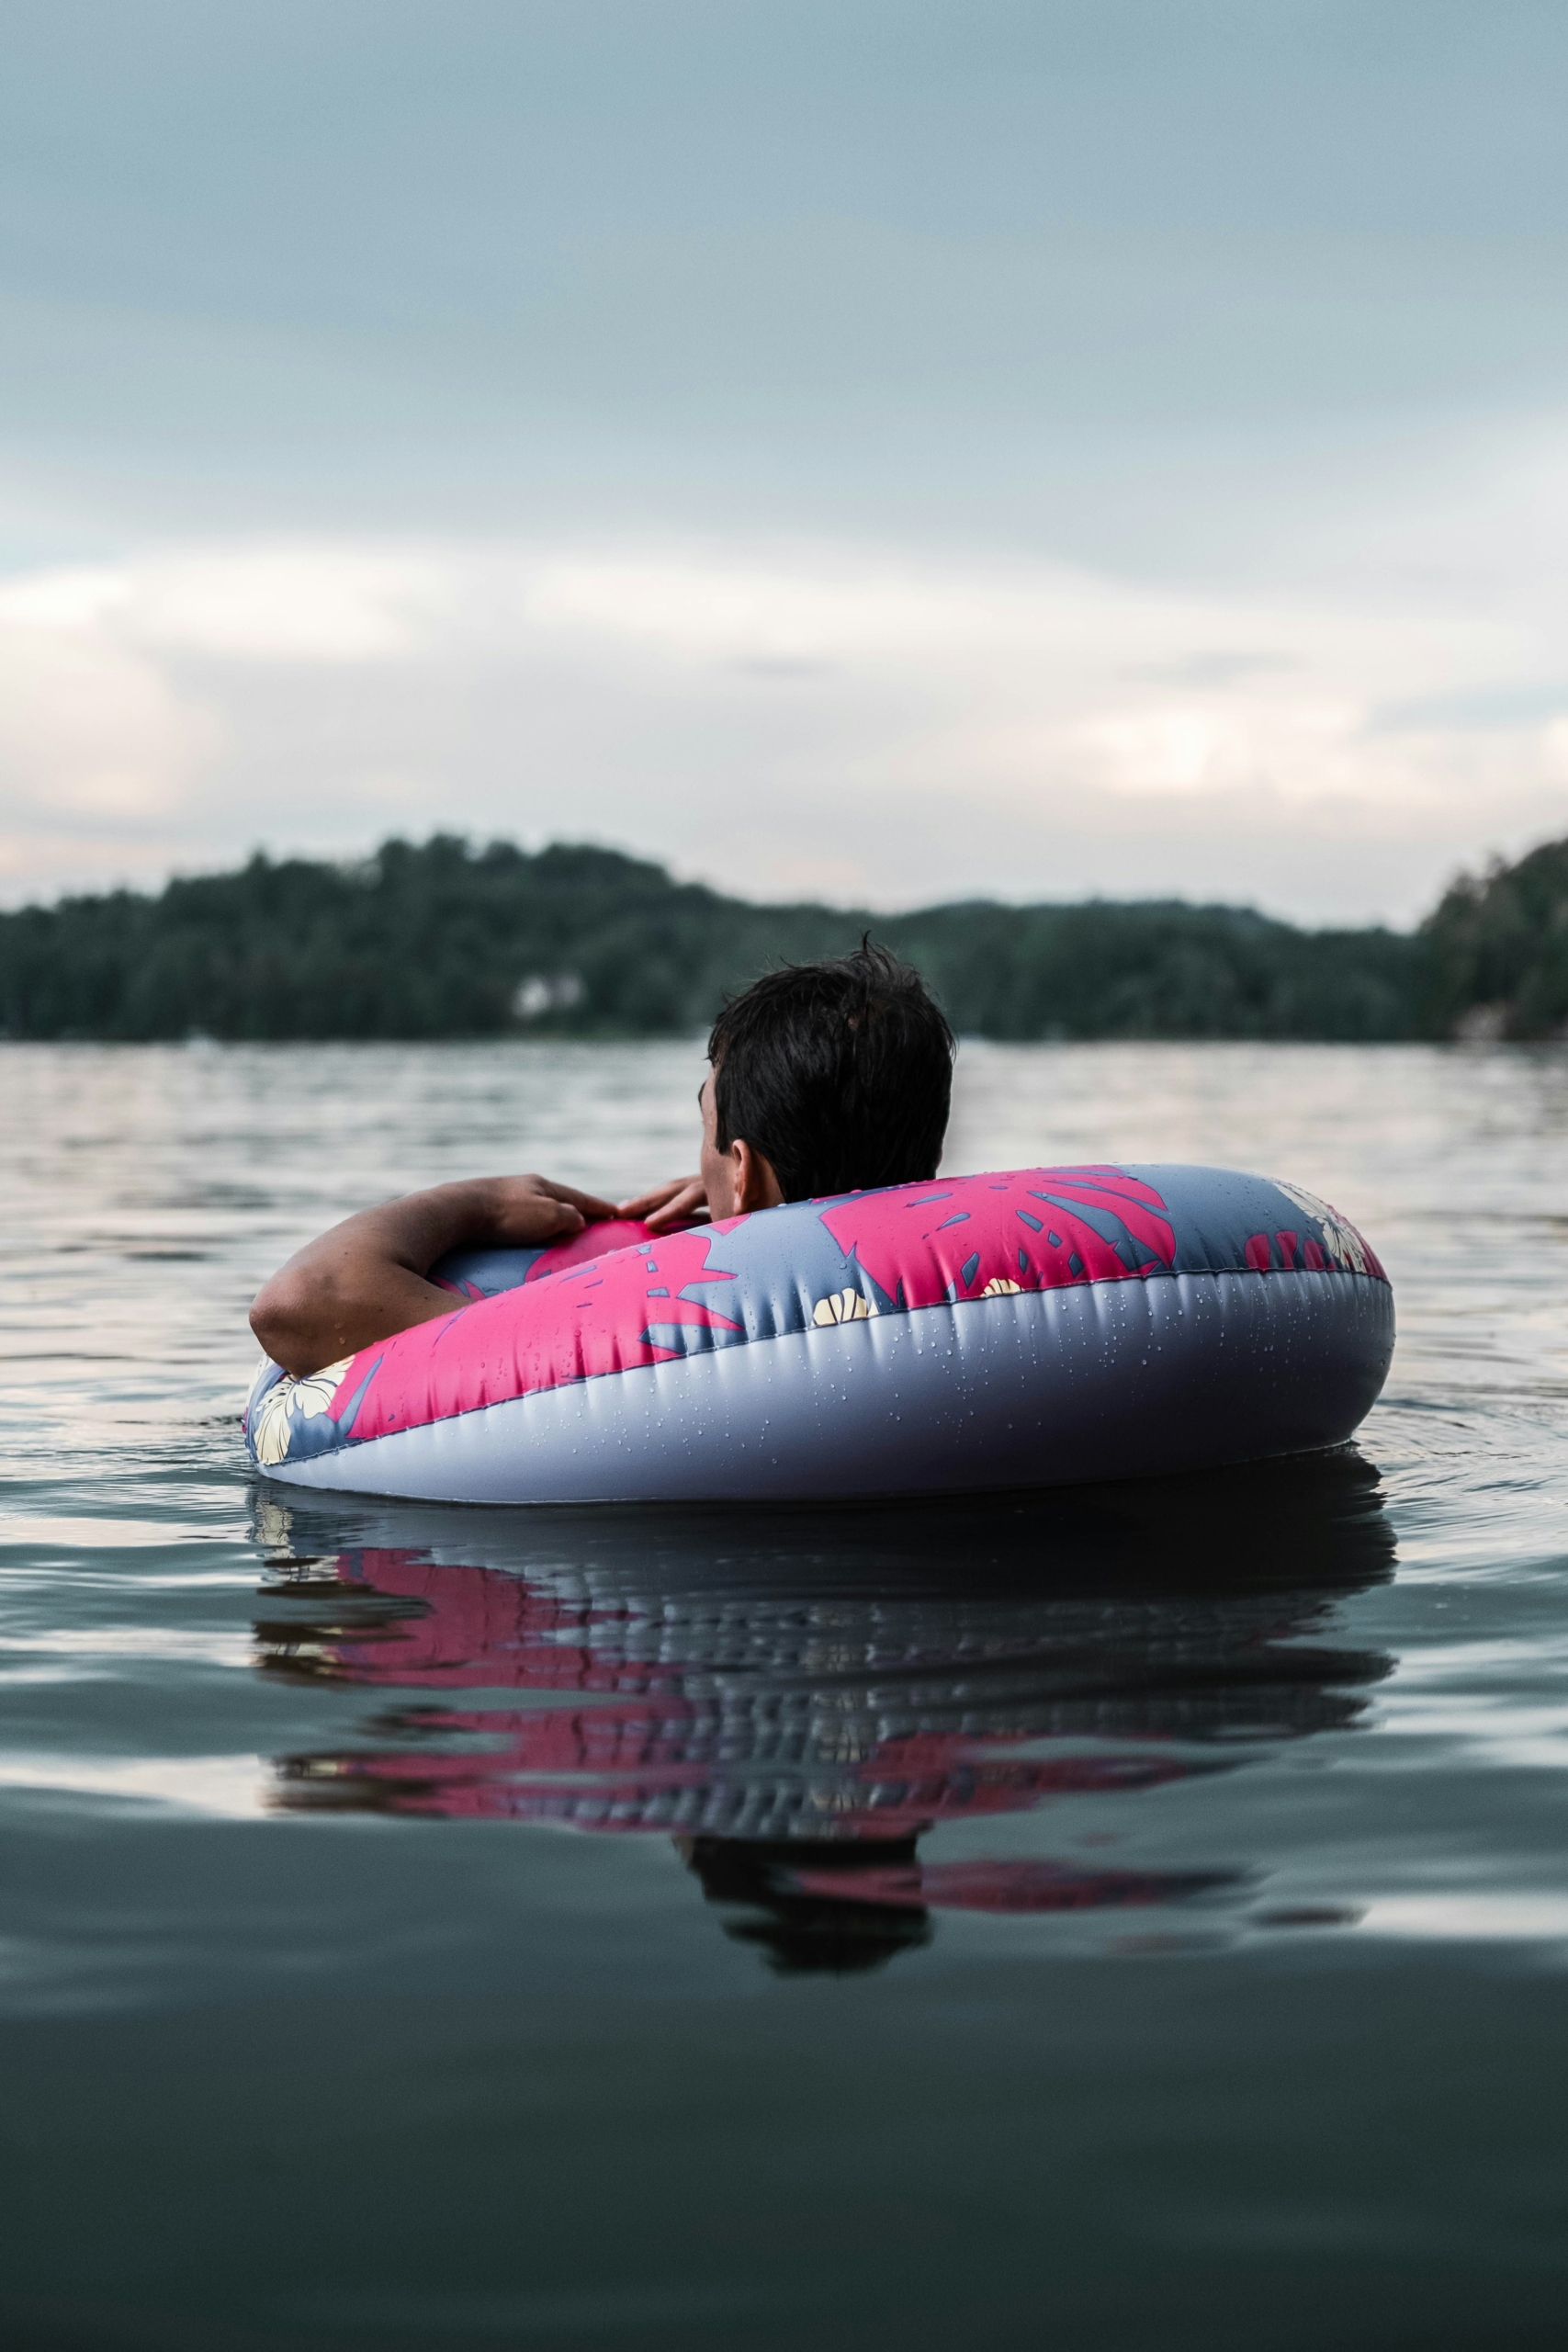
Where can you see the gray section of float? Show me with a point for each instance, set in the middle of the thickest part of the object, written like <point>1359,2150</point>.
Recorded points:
<point>1111,1380</point>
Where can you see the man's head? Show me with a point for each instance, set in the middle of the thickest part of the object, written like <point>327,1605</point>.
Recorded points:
<point>826,1077</point>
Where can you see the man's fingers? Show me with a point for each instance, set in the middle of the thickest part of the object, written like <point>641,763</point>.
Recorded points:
<point>644,1203</point>
<point>654,1203</point>
<point>683,1205</point>
<point>589,1206</point>
<point>683,1200</point>
<point>659,1197</point>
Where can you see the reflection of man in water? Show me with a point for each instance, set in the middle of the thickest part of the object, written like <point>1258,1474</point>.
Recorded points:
<point>807,1702</point>
<point>846,1906</point>
<point>823,1079</point>
<point>788,1904</point>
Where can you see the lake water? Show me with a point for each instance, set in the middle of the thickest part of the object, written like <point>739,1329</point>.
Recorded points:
<point>1135,1916</point>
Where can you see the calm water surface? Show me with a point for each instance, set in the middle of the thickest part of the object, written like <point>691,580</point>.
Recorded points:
<point>1132,1915</point>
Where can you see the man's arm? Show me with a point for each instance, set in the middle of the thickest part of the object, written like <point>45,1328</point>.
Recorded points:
<point>366,1279</point>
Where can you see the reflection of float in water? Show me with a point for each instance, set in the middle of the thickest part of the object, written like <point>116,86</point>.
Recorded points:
<point>798,1703</point>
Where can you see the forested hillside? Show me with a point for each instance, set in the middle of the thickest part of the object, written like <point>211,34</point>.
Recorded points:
<point>438,941</point>
<point>1496,948</point>
<point>1156,970</point>
<point>442,940</point>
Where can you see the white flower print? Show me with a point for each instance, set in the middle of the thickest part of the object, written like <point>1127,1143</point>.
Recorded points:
<point>290,1398</point>
<point>842,1306</point>
<point>1342,1245</point>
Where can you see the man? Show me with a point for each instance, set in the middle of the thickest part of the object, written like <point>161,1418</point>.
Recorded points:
<point>823,1079</point>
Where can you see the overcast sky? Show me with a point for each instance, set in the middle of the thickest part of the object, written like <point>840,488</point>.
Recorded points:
<point>884,450</point>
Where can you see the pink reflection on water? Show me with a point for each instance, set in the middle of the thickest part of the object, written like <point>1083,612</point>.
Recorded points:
<point>692,1726</point>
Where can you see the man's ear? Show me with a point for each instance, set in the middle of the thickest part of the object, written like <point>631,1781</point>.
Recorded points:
<point>756,1186</point>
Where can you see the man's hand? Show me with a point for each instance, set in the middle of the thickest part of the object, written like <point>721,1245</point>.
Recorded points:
<point>524,1210</point>
<point>683,1200</point>
<point>364,1279</point>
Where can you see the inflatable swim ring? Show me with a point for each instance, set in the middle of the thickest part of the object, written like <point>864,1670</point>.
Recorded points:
<point>1034,1329</point>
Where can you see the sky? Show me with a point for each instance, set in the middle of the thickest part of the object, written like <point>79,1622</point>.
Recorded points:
<point>882,450</point>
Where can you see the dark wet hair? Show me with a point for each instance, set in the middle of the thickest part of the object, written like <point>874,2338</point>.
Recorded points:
<point>840,1074</point>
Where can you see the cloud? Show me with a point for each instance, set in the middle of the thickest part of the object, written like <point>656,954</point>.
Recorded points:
<point>254,602</point>
<point>89,732</point>
<point>777,716</point>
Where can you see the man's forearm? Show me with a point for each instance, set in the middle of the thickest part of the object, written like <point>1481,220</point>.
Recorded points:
<point>366,1279</point>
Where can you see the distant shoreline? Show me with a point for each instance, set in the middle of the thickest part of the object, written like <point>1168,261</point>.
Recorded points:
<point>442,941</point>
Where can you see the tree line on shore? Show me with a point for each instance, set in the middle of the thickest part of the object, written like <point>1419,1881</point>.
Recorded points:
<point>445,939</point>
